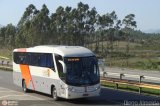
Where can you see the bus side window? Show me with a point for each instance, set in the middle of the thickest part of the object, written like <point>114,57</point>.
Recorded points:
<point>20,58</point>
<point>15,57</point>
<point>34,59</point>
<point>42,60</point>
<point>45,60</point>
<point>24,58</point>
<point>49,61</point>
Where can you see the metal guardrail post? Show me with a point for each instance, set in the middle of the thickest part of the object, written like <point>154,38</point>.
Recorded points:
<point>104,74</point>
<point>116,85</point>
<point>140,80</point>
<point>140,89</point>
<point>7,63</point>
<point>2,62</point>
<point>121,75</point>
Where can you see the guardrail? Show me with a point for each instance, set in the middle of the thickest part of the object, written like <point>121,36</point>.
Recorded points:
<point>140,81</point>
<point>5,64</point>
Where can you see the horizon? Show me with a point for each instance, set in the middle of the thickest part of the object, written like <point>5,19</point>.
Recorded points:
<point>13,10</point>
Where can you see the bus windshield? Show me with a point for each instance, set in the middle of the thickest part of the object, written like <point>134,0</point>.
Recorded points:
<point>81,71</point>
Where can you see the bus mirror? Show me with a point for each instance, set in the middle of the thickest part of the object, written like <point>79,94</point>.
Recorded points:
<point>63,65</point>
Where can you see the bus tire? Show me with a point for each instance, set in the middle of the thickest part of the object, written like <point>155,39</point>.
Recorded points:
<point>24,87</point>
<point>54,94</point>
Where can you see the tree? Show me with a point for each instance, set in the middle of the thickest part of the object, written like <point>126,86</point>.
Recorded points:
<point>25,32</point>
<point>81,22</point>
<point>104,22</point>
<point>10,35</point>
<point>41,25</point>
<point>129,24</point>
<point>112,30</point>
<point>2,35</point>
<point>7,35</point>
<point>91,25</point>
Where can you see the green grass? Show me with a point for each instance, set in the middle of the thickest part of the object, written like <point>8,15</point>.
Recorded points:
<point>139,56</point>
<point>151,91</point>
<point>135,63</point>
<point>4,52</point>
<point>119,44</point>
<point>131,88</point>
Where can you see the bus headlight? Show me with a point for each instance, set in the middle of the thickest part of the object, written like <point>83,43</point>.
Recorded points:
<point>98,87</point>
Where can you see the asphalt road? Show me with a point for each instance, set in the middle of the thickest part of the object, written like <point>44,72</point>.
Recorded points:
<point>133,71</point>
<point>150,76</point>
<point>14,96</point>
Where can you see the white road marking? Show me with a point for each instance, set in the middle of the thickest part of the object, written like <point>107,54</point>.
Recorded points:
<point>10,96</point>
<point>2,88</point>
<point>7,91</point>
<point>11,90</point>
<point>20,93</point>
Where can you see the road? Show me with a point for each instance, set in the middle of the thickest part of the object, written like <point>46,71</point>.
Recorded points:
<point>133,71</point>
<point>14,95</point>
<point>150,76</point>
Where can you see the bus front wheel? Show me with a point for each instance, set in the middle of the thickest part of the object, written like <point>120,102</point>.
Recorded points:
<point>54,94</point>
<point>24,87</point>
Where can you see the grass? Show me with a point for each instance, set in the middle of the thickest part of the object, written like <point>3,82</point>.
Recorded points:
<point>151,91</point>
<point>139,56</point>
<point>131,88</point>
<point>117,44</point>
<point>7,53</point>
<point>135,63</point>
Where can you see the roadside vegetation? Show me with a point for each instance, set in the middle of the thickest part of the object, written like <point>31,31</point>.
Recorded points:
<point>131,88</point>
<point>117,41</point>
<point>6,53</point>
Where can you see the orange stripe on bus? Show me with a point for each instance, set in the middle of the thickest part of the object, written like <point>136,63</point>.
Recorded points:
<point>21,50</point>
<point>25,71</point>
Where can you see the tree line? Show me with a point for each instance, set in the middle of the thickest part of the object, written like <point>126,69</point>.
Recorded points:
<point>81,26</point>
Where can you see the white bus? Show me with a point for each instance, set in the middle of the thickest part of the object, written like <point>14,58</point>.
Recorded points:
<point>62,71</point>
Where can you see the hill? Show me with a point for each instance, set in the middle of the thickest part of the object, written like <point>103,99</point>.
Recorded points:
<point>152,31</point>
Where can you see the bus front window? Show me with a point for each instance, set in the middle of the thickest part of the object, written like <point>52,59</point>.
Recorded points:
<point>82,71</point>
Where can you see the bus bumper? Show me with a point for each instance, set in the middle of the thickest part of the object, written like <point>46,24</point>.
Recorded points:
<point>73,94</point>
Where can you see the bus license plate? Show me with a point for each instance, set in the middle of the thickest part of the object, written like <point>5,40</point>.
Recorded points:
<point>85,94</point>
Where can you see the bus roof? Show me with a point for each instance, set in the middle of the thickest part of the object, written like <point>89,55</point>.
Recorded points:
<point>66,51</point>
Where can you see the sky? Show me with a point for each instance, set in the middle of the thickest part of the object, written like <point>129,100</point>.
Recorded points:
<point>147,12</point>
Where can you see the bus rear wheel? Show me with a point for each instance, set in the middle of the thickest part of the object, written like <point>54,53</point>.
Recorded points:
<point>24,87</point>
<point>54,94</point>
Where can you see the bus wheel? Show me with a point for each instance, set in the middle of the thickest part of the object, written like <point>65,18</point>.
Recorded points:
<point>24,87</point>
<point>54,94</point>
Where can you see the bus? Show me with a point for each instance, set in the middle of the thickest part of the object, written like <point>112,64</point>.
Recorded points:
<point>61,71</point>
